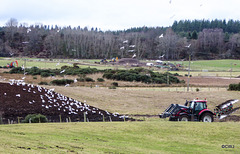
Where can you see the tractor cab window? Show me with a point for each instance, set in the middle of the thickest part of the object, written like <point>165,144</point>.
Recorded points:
<point>200,106</point>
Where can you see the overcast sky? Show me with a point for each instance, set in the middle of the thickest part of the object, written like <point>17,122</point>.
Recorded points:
<point>116,14</point>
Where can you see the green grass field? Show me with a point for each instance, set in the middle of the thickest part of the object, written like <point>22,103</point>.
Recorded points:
<point>201,65</point>
<point>52,64</point>
<point>212,65</point>
<point>153,136</point>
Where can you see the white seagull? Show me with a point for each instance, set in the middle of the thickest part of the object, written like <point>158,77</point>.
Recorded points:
<point>161,56</point>
<point>122,48</point>
<point>29,30</point>
<point>134,56</point>
<point>188,46</point>
<point>75,80</point>
<point>62,71</point>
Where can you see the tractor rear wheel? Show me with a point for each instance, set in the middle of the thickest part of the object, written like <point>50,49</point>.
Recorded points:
<point>183,118</point>
<point>207,117</point>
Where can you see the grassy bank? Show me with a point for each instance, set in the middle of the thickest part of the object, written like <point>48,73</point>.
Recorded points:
<point>118,137</point>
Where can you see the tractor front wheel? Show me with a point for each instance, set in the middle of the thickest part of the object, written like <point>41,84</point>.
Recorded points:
<point>183,118</point>
<point>207,117</point>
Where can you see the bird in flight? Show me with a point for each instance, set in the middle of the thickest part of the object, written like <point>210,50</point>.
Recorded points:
<point>188,46</point>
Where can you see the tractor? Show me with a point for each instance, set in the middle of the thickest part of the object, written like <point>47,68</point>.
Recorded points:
<point>196,110</point>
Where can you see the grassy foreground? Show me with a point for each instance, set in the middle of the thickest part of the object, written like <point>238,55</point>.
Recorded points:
<point>155,136</point>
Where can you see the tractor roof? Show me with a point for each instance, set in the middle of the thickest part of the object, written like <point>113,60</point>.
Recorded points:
<point>199,100</point>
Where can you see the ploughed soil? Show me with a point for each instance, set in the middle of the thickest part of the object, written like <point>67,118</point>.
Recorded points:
<point>20,99</point>
<point>211,81</point>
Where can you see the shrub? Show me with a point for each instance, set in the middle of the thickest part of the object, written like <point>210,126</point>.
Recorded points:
<point>89,79</point>
<point>34,71</point>
<point>115,84</point>
<point>35,118</point>
<point>62,82</point>
<point>158,80</point>
<point>45,74</point>
<point>34,77</point>
<point>43,83</point>
<point>100,80</point>
<point>64,67</point>
<point>80,79</point>
<point>108,75</point>
<point>16,70</point>
<point>176,74</point>
<point>234,87</point>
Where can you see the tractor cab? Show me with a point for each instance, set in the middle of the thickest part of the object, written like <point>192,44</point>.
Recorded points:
<point>195,107</point>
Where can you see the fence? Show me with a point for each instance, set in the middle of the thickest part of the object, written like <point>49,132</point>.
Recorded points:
<point>182,89</point>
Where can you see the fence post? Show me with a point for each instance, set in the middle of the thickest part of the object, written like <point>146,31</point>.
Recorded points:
<point>84,115</point>
<point>18,120</point>
<point>60,118</point>
<point>103,118</point>
<point>1,122</point>
<point>110,118</point>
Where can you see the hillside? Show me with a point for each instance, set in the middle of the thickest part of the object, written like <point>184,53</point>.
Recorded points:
<point>209,40</point>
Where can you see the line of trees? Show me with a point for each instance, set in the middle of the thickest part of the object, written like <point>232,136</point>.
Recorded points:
<point>216,39</point>
<point>230,26</point>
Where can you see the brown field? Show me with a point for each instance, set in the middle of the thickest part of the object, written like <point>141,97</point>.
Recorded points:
<point>211,81</point>
<point>135,101</point>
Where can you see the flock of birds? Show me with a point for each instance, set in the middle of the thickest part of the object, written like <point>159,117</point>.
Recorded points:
<point>133,46</point>
<point>51,100</point>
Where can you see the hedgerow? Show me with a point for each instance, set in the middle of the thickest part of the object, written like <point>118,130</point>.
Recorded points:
<point>234,87</point>
<point>141,75</point>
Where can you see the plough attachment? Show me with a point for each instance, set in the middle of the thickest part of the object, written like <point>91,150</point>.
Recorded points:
<point>225,109</point>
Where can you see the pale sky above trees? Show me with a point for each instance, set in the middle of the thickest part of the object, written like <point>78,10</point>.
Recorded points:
<point>115,14</point>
